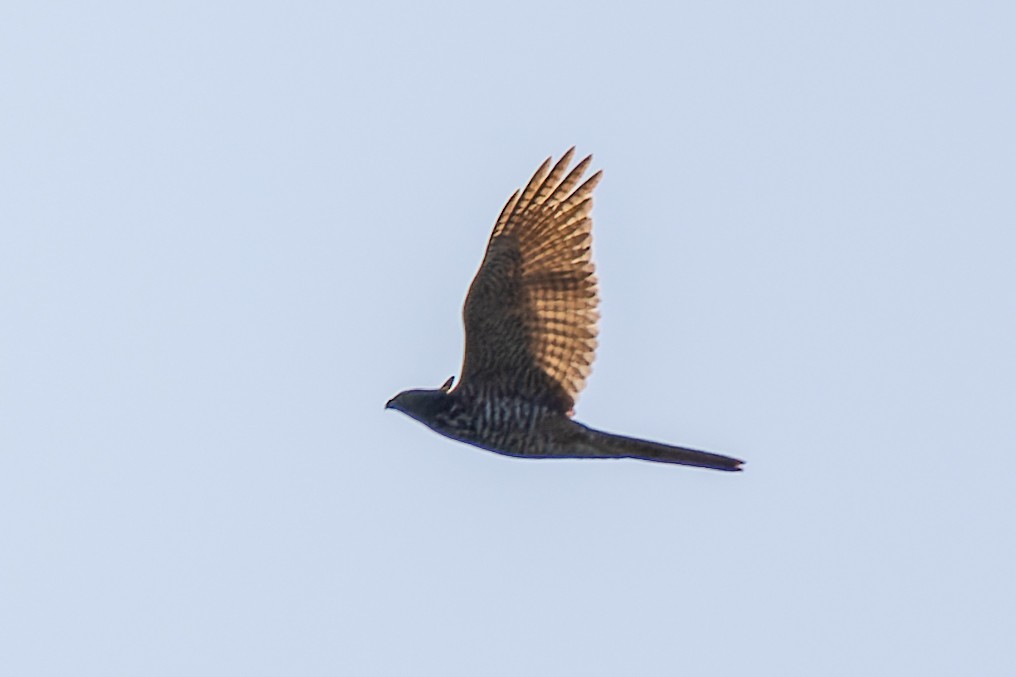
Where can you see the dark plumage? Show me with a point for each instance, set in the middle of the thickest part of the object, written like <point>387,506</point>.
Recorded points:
<point>530,319</point>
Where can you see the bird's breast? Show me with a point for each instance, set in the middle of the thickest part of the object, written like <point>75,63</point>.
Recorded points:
<point>505,424</point>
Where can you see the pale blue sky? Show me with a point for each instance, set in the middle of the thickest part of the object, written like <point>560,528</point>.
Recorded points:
<point>229,232</point>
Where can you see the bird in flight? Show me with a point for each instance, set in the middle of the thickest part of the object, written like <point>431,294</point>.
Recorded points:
<point>530,318</point>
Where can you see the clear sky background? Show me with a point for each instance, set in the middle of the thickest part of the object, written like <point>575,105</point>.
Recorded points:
<point>229,232</point>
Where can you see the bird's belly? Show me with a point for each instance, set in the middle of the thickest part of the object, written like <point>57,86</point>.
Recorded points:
<point>506,426</point>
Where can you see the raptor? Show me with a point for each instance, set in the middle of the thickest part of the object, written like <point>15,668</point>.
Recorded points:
<point>531,325</point>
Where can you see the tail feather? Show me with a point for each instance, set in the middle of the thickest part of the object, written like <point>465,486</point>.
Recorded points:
<point>608,445</point>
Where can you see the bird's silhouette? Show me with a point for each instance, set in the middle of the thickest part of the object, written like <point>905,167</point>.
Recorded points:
<point>530,319</point>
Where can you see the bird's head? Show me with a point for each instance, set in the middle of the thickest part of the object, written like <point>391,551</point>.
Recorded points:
<point>421,404</point>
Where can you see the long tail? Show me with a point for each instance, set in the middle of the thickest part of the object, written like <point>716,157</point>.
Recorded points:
<point>608,445</point>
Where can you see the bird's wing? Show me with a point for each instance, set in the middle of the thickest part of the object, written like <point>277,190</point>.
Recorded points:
<point>531,314</point>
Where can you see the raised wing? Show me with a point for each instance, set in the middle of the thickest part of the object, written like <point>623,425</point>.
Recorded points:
<point>531,314</point>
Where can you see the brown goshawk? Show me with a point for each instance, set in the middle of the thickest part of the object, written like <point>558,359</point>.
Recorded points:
<point>530,319</point>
